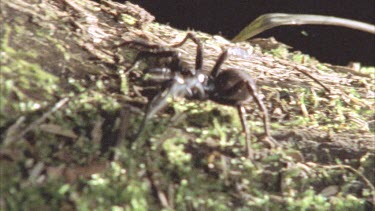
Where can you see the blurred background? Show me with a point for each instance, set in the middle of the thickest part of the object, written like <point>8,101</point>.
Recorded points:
<point>227,17</point>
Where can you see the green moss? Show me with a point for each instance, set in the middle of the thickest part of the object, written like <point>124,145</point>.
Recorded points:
<point>368,70</point>
<point>174,149</point>
<point>130,20</point>
<point>26,87</point>
<point>280,52</point>
<point>301,58</point>
<point>309,200</point>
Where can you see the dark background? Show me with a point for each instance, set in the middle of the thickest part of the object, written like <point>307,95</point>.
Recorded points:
<point>327,43</point>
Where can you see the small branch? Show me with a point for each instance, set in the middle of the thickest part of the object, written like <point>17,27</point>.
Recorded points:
<point>37,122</point>
<point>269,21</point>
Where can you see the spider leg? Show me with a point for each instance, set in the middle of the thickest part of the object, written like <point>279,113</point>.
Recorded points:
<point>151,50</point>
<point>199,54</point>
<point>179,88</point>
<point>245,128</point>
<point>252,89</point>
<point>231,95</point>
<point>141,44</point>
<point>217,67</point>
<point>231,92</point>
<point>146,54</point>
<point>159,102</point>
<point>158,49</point>
<point>159,75</point>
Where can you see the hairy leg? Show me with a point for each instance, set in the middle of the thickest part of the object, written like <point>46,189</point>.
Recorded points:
<point>252,89</point>
<point>199,54</point>
<point>246,130</point>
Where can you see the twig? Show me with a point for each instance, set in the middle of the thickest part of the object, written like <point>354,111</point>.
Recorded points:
<point>37,122</point>
<point>268,21</point>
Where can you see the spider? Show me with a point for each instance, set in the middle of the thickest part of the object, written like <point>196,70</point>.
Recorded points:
<point>232,87</point>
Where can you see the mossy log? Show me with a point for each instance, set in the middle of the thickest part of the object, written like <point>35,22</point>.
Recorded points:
<point>68,112</point>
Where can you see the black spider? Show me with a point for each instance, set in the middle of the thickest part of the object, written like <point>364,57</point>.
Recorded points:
<point>231,87</point>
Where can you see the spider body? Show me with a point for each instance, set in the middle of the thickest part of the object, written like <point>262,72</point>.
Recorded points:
<point>232,87</point>
<point>231,92</point>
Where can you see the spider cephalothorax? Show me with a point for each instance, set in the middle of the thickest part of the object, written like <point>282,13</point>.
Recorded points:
<point>231,87</point>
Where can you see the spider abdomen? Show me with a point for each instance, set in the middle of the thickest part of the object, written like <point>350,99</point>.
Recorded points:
<point>230,88</point>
